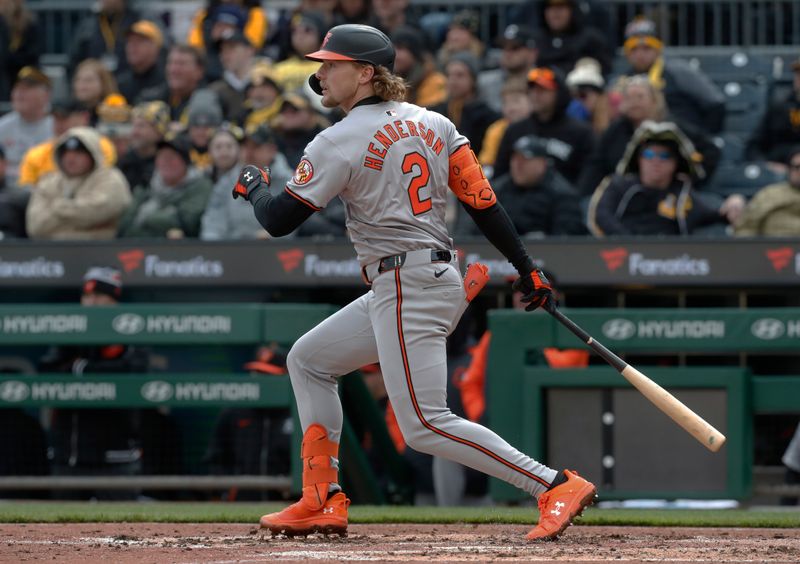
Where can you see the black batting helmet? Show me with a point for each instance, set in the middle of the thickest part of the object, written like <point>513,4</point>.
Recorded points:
<point>355,42</point>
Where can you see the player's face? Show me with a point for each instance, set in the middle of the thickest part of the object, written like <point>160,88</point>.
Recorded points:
<point>340,82</point>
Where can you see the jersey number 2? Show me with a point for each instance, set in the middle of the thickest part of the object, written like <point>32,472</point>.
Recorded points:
<point>418,182</point>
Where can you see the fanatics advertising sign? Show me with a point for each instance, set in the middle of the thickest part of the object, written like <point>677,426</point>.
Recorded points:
<point>577,262</point>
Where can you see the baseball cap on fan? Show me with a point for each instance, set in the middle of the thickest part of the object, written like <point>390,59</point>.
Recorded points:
<point>103,280</point>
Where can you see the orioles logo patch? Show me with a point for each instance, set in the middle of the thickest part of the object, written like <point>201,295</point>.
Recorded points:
<point>304,172</point>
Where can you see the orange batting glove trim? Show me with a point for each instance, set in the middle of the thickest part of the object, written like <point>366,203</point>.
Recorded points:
<point>467,180</point>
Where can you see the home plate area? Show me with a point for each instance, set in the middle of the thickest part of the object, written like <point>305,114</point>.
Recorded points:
<point>241,543</point>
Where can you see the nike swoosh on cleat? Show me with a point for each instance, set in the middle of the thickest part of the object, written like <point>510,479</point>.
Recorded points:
<point>438,274</point>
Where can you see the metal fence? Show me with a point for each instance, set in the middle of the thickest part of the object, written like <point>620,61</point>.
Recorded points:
<point>685,23</point>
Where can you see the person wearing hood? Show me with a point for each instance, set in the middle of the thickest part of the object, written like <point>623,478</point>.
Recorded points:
<point>84,198</point>
<point>652,191</point>
<point>641,101</point>
<point>415,64</point>
<point>470,114</point>
<point>690,94</point>
<point>563,38</point>
<point>570,140</point>
<point>172,205</point>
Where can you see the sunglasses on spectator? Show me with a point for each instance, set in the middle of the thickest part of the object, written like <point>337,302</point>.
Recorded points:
<point>650,154</point>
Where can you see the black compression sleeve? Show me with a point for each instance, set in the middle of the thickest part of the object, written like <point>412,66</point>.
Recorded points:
<point>497,227</point>
<point>281,214</point>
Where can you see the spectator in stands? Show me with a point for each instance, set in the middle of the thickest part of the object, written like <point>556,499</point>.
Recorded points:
<point>263,97</point>
<point>563,37</point>
<point>296,125</point>
<point>390,15</point>
<point>144,43</point>
<point>516,106</point>
<point>414,63</point>
<point>260,148</point>
<point>102,36</point>
<point>471,115</point>
<point>19,43</point>
<point>29,123</point>
<point>204,32</point>
<point>13,202</point>
<point>353,11</point>
<point>184,74</point>
<point>774,211</point>
<point>780,128</point>
<point>307,31</point>
<point>224,217</point>
<point>173,203</point>
<point>518,56</point>
<point>98,442</point>
<point>538,199</point>
<point>40,161</point>
<point>253,441</point>
<point>690,94</point>
<point>224,18</point>
<point>652,192</point>
<point>149,125</point>
<point>205,116</point>
<point>641,101</point>
<point>462,37</point>
<point>237,57</point>
<point>91,83</point>
<point>570,141</point>
<point>84,198</point>
<point>114,122</point>
<point>590,102</point>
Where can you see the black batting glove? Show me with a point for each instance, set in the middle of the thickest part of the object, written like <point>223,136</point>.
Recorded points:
<point>536,290</point>
<point>251,178</point>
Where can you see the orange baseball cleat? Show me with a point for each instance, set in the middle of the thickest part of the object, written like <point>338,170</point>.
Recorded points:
<point>559,506</point>
<point>300,519</point>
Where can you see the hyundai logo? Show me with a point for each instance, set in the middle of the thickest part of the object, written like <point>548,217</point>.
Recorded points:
<point>128,324</point>
<point>768,328</point>
<point>157,391</point>
<point>14,391</point>
<point>619,329</point>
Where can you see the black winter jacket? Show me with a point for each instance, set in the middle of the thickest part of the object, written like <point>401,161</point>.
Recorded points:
<point>571,141</point>
<point>610,148</point>
<point>626,207</point>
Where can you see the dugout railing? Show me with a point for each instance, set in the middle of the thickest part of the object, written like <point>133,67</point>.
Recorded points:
<point>206,333</point>
<point>592,418</point>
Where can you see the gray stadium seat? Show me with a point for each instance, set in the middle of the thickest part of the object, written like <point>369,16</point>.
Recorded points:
<point>736,63</point>
<point>745,178</point>
<point>745,104</point>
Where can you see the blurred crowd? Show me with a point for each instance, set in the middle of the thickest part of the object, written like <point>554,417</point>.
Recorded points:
<point>580,136</point>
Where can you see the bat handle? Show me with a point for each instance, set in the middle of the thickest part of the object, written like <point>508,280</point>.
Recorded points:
<point>599,348</point>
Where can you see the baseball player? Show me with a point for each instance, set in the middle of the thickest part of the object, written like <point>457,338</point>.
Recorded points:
<point>391,163</point>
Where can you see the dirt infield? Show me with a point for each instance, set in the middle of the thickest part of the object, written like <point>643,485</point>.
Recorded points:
<point>145,543</point>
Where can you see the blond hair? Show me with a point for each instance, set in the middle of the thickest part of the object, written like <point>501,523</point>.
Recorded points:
<point>387,86</point>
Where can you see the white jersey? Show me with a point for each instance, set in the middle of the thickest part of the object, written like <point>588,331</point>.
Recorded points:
<point>389,163</point>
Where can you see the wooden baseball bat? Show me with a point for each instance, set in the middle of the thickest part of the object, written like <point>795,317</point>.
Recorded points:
<point>695,425</point>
